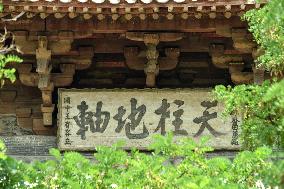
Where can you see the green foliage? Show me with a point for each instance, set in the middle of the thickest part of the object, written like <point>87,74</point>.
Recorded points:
<point>171,165</point>
<point>267,27</point>
<point>6,72</point>
<point>262,111</point>
<point>261,107</point>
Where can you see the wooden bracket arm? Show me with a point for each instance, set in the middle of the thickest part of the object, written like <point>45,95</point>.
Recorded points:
<point>239,77</point>
<point>242,40</point>
<point>221,60</point>
<point>66,77</point>
<point>26,77</point>
<point>171,60</point>
<point>84,60</point>
<point>132,60</point>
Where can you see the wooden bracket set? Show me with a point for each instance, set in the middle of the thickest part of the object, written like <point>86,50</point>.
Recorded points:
<point>233,62</point>
<point>45,80</point>
<point>151,63</point>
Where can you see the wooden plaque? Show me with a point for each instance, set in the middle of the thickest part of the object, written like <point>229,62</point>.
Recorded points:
<point>92,117</point>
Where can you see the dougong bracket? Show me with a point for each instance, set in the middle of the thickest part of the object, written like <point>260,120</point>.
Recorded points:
<point>149,60</point>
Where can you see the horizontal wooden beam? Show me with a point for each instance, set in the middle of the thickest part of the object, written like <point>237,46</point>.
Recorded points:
<point>78,28</point>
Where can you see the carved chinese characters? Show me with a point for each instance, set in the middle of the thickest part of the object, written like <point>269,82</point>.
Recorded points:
<point>92,117</point>
<point>67,122</point>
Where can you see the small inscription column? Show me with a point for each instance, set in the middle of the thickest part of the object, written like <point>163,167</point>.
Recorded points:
<point>235,129</point>
<point>67,118</point>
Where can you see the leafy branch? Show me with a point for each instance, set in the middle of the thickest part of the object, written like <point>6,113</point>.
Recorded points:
<point>267,27</point>
<point>5,72</point>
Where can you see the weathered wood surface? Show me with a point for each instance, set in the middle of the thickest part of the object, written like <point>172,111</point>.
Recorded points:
<point>92,117</point>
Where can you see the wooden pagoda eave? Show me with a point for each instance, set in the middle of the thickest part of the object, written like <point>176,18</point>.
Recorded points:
<point>88,10</point>
<point>139,4</point>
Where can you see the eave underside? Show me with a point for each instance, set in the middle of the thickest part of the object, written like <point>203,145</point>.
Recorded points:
<point>168,45</point>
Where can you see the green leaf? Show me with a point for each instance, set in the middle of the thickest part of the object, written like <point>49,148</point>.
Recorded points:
<point>55,153</point>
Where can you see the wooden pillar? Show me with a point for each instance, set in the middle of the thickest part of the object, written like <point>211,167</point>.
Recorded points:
<point>152,68</point>
<point>43,56</point>
<point>47,107</point>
